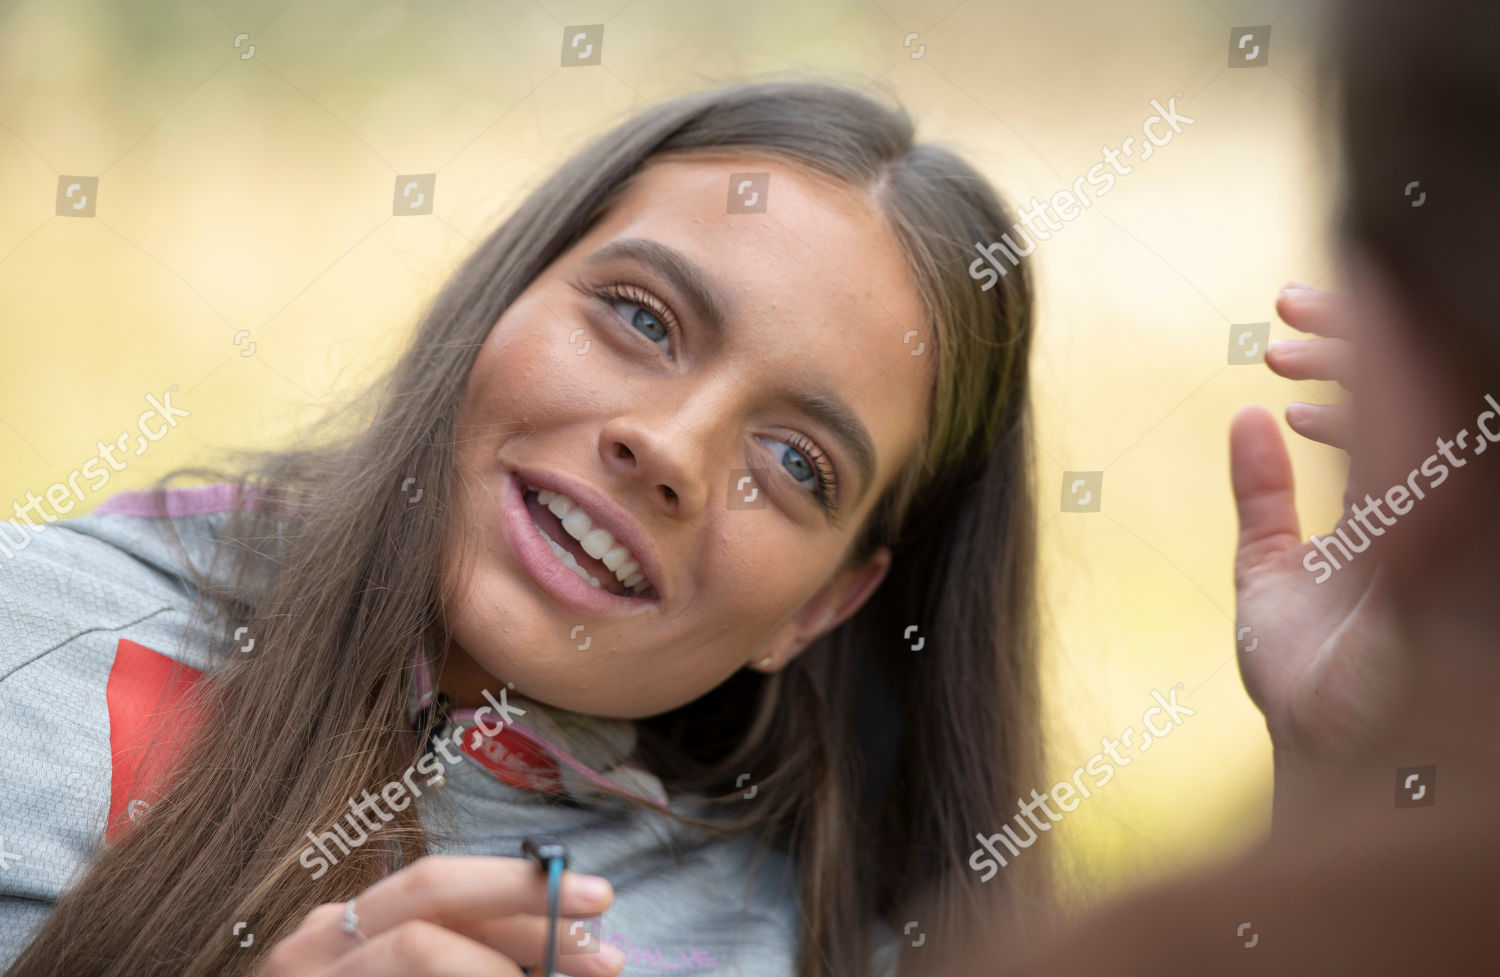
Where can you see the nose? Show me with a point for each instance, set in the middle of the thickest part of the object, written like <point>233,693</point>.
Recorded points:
<point>660,453</point>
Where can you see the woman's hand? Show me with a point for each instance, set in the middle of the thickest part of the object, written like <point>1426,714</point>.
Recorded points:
<point>449,916</point>
<point>1318,659</point>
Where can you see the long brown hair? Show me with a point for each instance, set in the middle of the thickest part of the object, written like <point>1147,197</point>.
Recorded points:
<point>887,760</point>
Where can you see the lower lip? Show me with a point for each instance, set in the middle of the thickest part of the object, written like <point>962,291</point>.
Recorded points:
<point>561,583</point>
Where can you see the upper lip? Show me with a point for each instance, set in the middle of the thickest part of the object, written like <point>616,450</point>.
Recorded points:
<point>607,515</point>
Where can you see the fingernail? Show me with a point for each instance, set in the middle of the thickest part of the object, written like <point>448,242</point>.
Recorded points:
<point>1286,345</point>
<point>593,888</point>
<point>1299,412</point>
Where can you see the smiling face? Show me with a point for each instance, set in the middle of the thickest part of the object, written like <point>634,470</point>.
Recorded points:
<point>670,353</point>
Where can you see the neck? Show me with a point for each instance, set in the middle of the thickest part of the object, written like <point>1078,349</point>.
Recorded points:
<point>461,678</point>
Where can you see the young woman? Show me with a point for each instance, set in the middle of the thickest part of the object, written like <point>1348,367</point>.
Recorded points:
<point>729,363</point>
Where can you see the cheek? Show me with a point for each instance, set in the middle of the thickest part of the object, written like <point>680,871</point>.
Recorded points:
<point>509,370</point>
<point>760,576</point>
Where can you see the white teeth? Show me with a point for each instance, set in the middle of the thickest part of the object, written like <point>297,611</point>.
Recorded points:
<point>568,561</point>
<point>597,543</point>
<point>577,523</point>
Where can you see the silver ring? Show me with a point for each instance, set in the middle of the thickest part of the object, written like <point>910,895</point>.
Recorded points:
<point>351,920</point>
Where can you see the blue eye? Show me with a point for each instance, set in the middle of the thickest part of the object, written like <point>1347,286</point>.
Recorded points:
<point>649,325</point>
<point>643,313</point>
<point>807,467</point>
<point>796,464</point>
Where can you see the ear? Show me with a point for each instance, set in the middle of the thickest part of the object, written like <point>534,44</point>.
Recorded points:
<point>831,606</point>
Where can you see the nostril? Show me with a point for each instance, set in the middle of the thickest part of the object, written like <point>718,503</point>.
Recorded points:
<point>671,495</point>
<point>623,452</point>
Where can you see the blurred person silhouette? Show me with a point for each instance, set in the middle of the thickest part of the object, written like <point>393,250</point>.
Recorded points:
<point>1376,666</point>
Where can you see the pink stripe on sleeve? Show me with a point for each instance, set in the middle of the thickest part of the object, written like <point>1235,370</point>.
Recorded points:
<point>196,500</point>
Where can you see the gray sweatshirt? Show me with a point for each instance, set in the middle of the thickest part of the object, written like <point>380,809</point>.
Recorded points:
<point>92,613</point>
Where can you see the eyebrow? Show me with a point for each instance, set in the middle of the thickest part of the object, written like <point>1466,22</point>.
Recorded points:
<point>687,277</point>
<point>697,286</point>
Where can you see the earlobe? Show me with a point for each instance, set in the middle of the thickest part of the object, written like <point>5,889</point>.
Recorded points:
<point>841,597</point>
<point>835,603</point>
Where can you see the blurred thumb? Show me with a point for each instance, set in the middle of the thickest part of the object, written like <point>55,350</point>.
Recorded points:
<point>1261,473</point>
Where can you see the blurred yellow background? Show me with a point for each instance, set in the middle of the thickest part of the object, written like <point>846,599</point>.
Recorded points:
<point>246,155</point>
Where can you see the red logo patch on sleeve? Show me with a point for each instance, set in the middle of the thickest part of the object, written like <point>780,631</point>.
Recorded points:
<point>145,692</point>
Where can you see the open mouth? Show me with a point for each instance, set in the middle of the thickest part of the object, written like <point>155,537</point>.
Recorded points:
<point>589,551</point>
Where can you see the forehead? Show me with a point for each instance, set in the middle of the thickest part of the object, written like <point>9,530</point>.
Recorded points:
<point>815,290</point>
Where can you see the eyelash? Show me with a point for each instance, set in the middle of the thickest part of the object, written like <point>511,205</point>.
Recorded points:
<point>635,295</point>
<point>827,490</point>
<point>828,483</point>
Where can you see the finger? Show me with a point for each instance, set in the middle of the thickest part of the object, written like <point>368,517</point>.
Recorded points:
<point>523,939</point>
<point>1311,310</point>
<point>1261,474</point>
<point>1313,359</point>
<point>1332,424</point>
<point>451,888</point>
<point>416,946</point>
